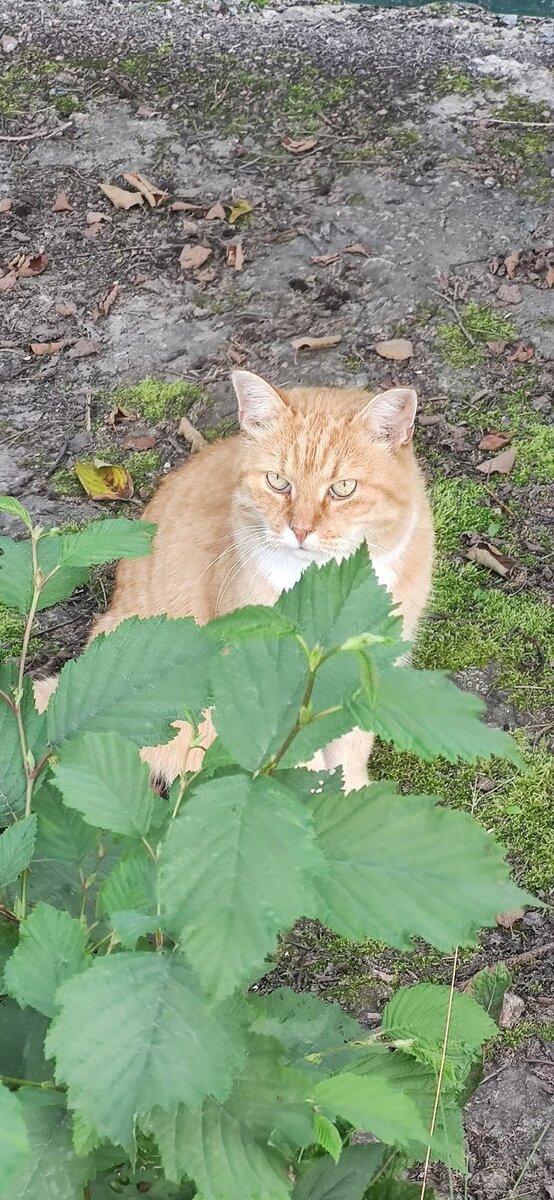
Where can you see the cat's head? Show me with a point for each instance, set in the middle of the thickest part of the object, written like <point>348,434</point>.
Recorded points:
<point>322,469</point>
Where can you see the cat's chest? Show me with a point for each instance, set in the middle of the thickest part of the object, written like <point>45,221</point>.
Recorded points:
<point>282,569</point>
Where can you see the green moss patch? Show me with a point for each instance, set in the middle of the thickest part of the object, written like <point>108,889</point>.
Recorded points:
<point>12,626</point>
<point>157,400</point>
<point>449,80</point>
<point>517,809</point>
<point>484,324</point>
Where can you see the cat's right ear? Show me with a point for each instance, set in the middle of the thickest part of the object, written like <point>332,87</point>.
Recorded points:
<point>259,404</point>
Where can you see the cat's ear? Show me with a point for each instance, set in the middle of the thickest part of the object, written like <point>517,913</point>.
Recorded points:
<point>390,416</point>
<point>259,404</point>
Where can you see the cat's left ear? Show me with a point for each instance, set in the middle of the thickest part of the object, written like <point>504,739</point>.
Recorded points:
<point>390,416</point>
<point>259,404</point>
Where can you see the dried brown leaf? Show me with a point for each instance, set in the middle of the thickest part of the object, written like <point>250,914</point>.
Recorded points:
<point>184,206</point>
<point>522,353</point>
<point>507,919</point>
<point>140,443</point>
<point>66,310</point>
<point>397,349</point>
<point>356,248</point>
<point>94,218</point>
<point>6,205</point>
<point>83,348</point>
<point>316,343</point>
<point>8,281</point>
<point>153,195</point>
<point>26,265</point>
<point>121,198</point>
<point>107,299</point>
<point>187,431</point>
<point>216,212</point>
<point>509,293</point>
<point>43,348</point>
<point>235,256</point>
<point>486,555</point>
<point>495,439</point>
<point>192,256</point>
<point>92,231</point>
<point>511,263</point>
<point>496,348</point>
<point>323,260</point>
<point>512,1010</point>
<point>549,280</point>
<point>299,145</point>
<point>118,415</point>
<point>9,43</point>
<point>61,203</point>
<point>144,111</point>
<point>502,464</point>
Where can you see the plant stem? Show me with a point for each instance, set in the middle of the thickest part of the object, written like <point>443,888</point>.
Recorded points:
<point>28,767</point>
<point>298,725</point>
<point>440,1075</point>
<point>47,1085</point>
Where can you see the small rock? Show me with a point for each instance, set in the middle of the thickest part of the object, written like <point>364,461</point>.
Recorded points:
<point>512,1009</point>
<point>541,404</point>
<point>509,19</point>
<point>361,380</point>
<point>489,182</point>
<point>492,1184</point>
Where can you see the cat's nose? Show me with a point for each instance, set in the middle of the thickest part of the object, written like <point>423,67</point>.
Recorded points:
<point>300,532</point>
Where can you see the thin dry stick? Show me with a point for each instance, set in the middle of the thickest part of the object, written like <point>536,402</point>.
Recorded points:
<point>512,1195</point>
<point>441,1073</point>
<point>88,412</point>
<point>31,137</point>
<point>452,306</point>
<point>505,121</point>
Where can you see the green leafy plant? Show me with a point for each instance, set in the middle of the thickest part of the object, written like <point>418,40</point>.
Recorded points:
<point>134,1046</point>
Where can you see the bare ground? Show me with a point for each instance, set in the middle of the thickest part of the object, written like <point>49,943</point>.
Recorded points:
<point>199,97</point>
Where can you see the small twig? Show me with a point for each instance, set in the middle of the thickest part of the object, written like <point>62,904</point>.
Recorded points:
<point>8,915</point>
<point>513,1193</point>
<point>504,121</point>
<point>58,459</point>
<point>30,137</point>
<point>453,308</point>
<point>88,411</point>
<point>518,960</point>
<point>493,1074</point>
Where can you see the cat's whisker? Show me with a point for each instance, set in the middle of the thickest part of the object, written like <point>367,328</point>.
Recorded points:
<point>247,539</point>
<point>236,567</point>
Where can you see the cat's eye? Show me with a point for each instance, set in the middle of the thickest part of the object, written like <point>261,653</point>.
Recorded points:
<point>277,482</point>
<point>344,488</point>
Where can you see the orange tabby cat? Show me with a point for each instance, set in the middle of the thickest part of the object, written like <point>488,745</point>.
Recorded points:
<point>313,473</point>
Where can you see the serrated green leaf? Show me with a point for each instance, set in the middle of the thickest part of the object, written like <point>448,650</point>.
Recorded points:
<point>8,942</point>
<point>419,1014</point>
<point>217,758</point>
<point>314,1033</point>
<point>419,1082</point>
<point>12,774</point>
<point>52,1171</point>
<point>22,1043</point>
<point>102,777</point>
<point>17,844</point>
<point>51,950</point>
<point>130,886</point>
<point>107,540</point>
<point>369,1102</point>
<point>134,1032</point>
<point>225,1147</point>
<point>14,1143</point>
<point>488,987</point>
<point>16,573</point>
<point>256,729</point>
<point>425,712</point>
<point>9,504</point>
<point>256,839</point>
<point>402,866</point>
<point>327,1136</point>
<point>131,925</point>
<point>397,1189</point>
<point>94,694</point>
<point>347,1180</point>
<point>251,621</point>
<point>61,833</point>
<point>332,603</point>
<point>220,1153</point>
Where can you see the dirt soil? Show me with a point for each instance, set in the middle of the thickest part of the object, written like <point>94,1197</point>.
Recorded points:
<point>420,159</point>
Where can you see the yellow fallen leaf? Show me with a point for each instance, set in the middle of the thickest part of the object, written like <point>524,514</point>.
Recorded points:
<point>315,343</point>
<point>120,197</point>
<point>103,481</point>
<point>240,208</point>
<point>152,194</point>
<point>396,349</point>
